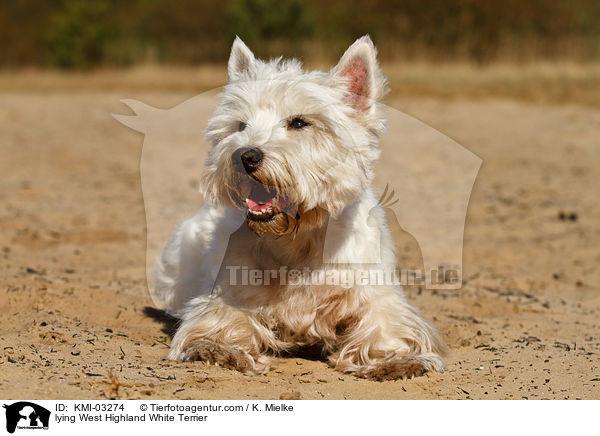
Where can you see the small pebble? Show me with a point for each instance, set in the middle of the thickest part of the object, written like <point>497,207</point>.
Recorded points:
<point>294,395</point>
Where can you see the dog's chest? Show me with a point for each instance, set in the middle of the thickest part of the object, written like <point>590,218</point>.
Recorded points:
<point>305,315</point>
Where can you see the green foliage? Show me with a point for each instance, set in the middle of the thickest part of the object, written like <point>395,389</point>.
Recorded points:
<point>262,22</point>
<point>265,20</point>
<point>78,34</point>
<point>92,33</point>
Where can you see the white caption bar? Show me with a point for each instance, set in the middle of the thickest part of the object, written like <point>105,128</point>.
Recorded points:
<point>296,417</point>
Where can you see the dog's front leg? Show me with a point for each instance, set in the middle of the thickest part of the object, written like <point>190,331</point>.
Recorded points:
<point>220,334</point>
<point>392,340</point>
<point>381,365</point>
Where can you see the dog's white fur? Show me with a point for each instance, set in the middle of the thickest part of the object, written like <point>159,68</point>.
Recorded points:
<point>324,170</point>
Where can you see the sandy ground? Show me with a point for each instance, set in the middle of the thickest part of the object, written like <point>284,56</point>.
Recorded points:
<point>76,320</point>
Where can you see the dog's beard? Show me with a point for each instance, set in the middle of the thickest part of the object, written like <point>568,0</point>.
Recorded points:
<point>289,222</point>
<point>281,216</point>
<point>269,199</point>
<point>269,205</point>
<point>269,211</point>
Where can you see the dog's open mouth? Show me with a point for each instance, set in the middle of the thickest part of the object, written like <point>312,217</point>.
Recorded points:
<point>264,203</point>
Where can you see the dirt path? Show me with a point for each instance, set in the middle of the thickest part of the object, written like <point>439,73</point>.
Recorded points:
<point>72,247</point>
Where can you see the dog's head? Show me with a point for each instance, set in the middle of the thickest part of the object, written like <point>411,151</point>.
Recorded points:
<point>293,147</point>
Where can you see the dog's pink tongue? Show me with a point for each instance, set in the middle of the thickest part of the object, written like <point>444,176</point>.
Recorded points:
<point>256,206</point>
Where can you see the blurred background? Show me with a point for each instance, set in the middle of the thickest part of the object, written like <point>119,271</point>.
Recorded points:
<point>556,41</point>
<point>98,33</point>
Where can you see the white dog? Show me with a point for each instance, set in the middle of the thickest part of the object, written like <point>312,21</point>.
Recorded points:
<point>292,158</point>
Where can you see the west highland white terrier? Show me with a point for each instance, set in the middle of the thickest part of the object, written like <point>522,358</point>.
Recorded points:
<point>292,159</point>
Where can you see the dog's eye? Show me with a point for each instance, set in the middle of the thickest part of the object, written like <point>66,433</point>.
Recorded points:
<point>297,124</point>
<point>241,126</point>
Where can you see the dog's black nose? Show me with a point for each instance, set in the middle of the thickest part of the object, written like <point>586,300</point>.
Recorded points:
<point>250,158</point>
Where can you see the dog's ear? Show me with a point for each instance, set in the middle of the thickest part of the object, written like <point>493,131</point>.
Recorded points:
<point>240,60</point>
<point>361,74</point>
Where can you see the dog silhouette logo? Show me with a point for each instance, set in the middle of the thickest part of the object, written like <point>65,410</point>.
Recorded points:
<point>428,181</point>
<point>26,415</point>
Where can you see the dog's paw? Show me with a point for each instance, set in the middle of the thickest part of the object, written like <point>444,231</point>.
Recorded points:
<point>404,367</point>
<point>223,355</point>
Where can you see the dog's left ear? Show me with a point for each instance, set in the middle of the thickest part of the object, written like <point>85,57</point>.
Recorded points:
<point>361,75</point>
<point>240,60</point>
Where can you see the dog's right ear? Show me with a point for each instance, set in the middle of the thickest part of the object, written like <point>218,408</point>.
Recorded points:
<point>240,60</point>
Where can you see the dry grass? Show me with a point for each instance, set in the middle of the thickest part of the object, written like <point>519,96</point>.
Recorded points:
<point>539,83</point>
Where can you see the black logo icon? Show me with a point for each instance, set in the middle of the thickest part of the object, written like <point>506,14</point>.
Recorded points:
<point>26,415</point>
